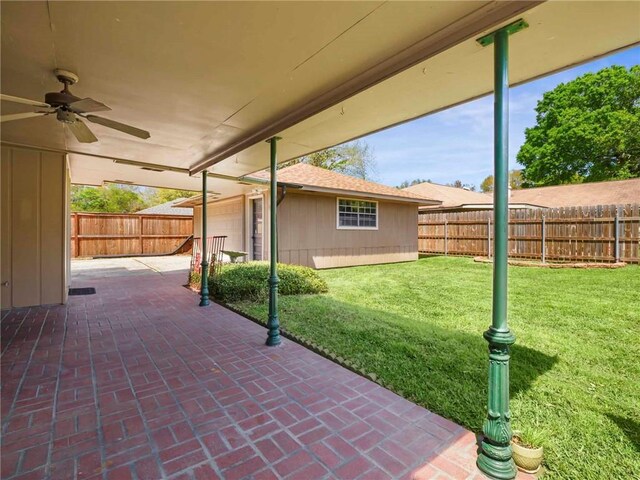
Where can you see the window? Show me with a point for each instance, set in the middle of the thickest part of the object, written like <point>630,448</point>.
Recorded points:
<point>357,214</point>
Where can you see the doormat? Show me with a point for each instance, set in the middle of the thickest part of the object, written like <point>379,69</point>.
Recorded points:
<point>82,291</point>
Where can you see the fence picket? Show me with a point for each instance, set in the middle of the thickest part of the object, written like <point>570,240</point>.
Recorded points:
<point>596,233</point>
<point>95,234</point>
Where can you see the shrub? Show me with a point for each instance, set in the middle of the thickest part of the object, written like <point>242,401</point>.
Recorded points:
<point>249,281</point>
<point>194,279</point>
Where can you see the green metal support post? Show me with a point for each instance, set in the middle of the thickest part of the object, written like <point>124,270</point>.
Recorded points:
<point>273,323</point>
<point>204,282</point>
<point>495,457</point>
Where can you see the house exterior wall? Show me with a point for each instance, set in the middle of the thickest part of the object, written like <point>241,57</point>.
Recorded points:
<point>225,217</point>
<point>35,235</point>
<point>308,233</point>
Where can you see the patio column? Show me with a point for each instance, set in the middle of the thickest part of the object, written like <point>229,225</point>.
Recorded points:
<point>273,323</point>
<point>495,455</point>
<point>204,283</point>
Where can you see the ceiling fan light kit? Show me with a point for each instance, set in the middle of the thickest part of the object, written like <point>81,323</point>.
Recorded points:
<point>68,107</point>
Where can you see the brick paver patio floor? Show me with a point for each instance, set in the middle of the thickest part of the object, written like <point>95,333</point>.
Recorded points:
<point>138,382</point>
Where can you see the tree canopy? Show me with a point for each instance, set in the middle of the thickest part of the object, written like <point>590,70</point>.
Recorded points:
<point>354,158</point>
<point>110,198</point>
<point>411,183</point>
<point>515,181</point>
<point>156,196</point>
<point>460,184</point>
<point>115,198</point>
<point>586,130</point>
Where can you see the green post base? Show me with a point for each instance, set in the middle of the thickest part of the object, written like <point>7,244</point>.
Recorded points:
<point>495,455</point>
<point>498,469</point>
<point>273,323</point>
<point>204,285</point>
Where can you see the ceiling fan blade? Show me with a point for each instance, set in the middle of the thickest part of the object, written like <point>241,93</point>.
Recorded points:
<point>87,105</point>
<point>81,132</point>
<point>20,116</point>
<point>24,101</point>
<point>136,132</point>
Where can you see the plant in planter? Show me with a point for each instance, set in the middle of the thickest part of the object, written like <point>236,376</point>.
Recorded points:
<point>527,450</point>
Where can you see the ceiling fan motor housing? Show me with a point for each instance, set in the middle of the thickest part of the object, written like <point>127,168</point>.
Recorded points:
<point>65,116</point>
<point>57,99</point>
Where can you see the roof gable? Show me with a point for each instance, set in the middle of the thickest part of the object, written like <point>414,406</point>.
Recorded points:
<point>320,179</point>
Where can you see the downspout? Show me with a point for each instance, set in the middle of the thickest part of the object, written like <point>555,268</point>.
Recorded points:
<point>283,194</point>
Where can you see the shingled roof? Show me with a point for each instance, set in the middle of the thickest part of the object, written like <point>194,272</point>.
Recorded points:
<point>168,208</point>
<point>323,180</point>
<point>449,196</point>
<point>618,192</point>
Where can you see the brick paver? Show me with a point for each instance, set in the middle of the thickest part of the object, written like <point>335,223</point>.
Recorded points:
<point>138,382</point>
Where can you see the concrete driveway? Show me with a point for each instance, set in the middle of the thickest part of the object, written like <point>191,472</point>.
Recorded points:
<point>84,269</point>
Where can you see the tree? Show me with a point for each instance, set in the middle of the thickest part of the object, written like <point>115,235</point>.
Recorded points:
<point>586,130</point>
<point>156,196</point>
<point>515,181</point>
<point>111,198</point>
<point>354,158</point>
<point>459,184</point>
<point>487,184</point>
<point>413,182</point>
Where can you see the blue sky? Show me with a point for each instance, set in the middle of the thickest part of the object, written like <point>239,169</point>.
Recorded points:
<point>430,147</point>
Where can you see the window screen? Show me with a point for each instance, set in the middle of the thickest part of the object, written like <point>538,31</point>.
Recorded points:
<point>357,214</point>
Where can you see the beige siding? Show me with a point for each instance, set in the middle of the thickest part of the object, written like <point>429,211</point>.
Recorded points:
<point>34,227</point>
<point>224,218</point>
<point>5,228</point>
<point>308,234</point>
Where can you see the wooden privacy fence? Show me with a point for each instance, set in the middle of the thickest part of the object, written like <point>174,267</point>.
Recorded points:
<point>603,233</point>
<point>106,234</point>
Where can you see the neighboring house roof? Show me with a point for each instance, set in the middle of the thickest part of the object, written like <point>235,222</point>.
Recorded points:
<point>449,196</point>
<point>319,179</point>
<point>168,208</point>
<point>616,192</point>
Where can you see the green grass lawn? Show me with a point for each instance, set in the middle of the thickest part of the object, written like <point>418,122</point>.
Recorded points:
<point>575,369</point>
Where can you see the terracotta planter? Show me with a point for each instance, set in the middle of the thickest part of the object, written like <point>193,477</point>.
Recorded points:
<point>527,459</point>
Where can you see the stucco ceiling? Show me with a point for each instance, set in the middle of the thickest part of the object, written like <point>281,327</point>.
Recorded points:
<point>212,80</point>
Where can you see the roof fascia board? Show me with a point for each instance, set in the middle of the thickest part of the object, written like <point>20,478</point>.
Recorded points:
<point>379,196</point>
<point>486,17</point>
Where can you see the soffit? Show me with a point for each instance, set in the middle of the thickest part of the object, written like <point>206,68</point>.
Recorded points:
<point>201,76</point>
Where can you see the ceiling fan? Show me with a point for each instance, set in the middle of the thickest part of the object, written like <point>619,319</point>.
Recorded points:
<point>68,108</point>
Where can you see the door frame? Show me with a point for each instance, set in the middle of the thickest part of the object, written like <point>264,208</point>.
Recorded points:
<point>249,224</point>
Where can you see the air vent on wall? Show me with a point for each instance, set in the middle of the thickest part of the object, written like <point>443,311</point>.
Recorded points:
<point>152,169</point>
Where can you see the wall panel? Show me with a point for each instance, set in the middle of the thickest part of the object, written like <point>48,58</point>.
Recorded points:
<point>34,226</point>
<point>308,234</point>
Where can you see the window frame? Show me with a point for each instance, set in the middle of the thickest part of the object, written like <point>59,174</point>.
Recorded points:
<point>350,227</point>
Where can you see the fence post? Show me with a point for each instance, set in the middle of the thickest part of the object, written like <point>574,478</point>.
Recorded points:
<point>141,241</point>
<point>446,250</point>
<point>489,237</point>
<point>76,220</point>
<point>616,234</point>
<point>544,237</point>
